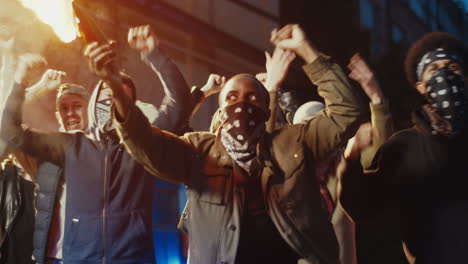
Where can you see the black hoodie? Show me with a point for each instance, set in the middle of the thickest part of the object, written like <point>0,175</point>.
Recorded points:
<point>421,178</point>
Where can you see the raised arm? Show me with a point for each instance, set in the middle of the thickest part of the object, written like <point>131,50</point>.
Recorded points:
<point>49,82</point>
<point>163,154</point>
<point>277,66</point>
<point>45,146</point>
<point>160,152</point>
<point>176,107</point>
<point>331,128</point>
<point>381,119</point>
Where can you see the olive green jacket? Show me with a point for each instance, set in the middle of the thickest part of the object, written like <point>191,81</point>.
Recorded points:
<point>286,159</point>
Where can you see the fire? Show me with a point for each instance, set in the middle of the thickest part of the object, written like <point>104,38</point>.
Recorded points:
<point>56,13</point>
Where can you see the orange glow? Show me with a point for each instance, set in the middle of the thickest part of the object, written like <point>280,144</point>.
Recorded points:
<point>56,13</point>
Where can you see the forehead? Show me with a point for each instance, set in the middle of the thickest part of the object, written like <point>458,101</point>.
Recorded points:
<point>70,99</point>
<point>442,62</point>
<point>242,84</point>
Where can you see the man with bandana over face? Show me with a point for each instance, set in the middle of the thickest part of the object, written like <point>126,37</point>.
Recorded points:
<point>420,173</point>
<point>109,195</point>
<point>253,195</point>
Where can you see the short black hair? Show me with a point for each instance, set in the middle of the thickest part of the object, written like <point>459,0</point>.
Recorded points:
<point>430,42</point>
<point>127,80</point>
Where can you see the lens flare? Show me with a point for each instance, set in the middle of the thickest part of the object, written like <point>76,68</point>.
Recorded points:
<point>56,13</point>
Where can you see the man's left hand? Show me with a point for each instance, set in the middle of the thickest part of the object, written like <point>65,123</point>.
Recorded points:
<point>143,39</point>
<point>362,73</point>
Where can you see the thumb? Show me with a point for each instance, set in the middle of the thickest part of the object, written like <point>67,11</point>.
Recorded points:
<point>267,56</point>
<point>217,79</point>
<point>285,44</point>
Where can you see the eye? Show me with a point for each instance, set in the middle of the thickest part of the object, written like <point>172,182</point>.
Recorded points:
<point>231,97</point>
<point>252,98</point>
<point>453,67</point>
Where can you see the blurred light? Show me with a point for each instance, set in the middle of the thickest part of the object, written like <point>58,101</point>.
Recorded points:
<point>56,13</point>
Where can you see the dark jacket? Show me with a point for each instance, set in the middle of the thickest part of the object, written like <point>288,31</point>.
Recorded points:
<point>109,195</point>
<point>16,216</point>
<point>420,177</point>
<point>286,159</point>
<point>48,177</point>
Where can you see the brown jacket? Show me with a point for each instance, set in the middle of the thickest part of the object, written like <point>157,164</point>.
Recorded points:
<point>286,158</point>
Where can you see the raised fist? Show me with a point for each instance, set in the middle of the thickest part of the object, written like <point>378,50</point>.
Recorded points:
<point>143,39</point>
<point>51,79</point>
<point>361,73</point>
<point>361,140</point>
<point>213,85</point>
<point>290,37</point>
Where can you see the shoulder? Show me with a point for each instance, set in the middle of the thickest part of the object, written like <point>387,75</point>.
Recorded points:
<point>399,146</point>
<point>199,139</point>
<point>404,137</point>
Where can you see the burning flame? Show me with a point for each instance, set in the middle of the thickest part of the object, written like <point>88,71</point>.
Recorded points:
<point>56,13</point>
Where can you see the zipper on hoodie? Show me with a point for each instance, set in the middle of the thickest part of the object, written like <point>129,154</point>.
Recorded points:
<point>104,210</point>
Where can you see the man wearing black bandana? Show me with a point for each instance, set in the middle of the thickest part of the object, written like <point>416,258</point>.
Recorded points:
<point>254,197</point>
<point>421,173</point>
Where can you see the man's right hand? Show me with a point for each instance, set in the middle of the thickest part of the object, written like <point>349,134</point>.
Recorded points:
<point>101,58</point>
<point>26,65</point>
<point>277,66</point>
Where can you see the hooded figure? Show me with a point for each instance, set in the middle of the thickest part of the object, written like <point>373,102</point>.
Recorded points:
<point>109,195</point>
<point>419,176</point>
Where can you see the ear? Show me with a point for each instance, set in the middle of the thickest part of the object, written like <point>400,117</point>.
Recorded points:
<point>59,119</point>
<point>421,87</point>
<point>215,121</point>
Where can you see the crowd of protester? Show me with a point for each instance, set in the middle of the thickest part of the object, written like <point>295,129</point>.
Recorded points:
<point>271,182</point>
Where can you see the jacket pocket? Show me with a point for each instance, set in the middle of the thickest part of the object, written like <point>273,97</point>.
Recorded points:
<point>130,236</point>
<point>82,239</point>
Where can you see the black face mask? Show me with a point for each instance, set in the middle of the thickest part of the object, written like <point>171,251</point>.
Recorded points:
<point>243,125</point>
<point>104,115</point>
<point>445,91</point>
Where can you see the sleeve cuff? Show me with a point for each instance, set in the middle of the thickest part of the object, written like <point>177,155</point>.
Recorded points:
<point>379,111</point>
<point>197,95</point>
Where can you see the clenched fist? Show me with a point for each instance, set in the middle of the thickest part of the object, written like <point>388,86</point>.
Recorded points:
<point>143,39</point>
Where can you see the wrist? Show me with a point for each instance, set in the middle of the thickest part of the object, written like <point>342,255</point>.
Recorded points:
<point>376,100</point>
<point>307,52</point>
<point>274,87</point>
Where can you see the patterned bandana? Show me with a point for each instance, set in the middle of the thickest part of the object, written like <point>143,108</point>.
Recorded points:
<point>445,91</point>
<point>243,125</point>
<point>435,55</point>
<point>104,115</point>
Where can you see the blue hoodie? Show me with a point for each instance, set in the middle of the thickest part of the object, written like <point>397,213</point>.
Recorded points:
<point>109,195</point>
